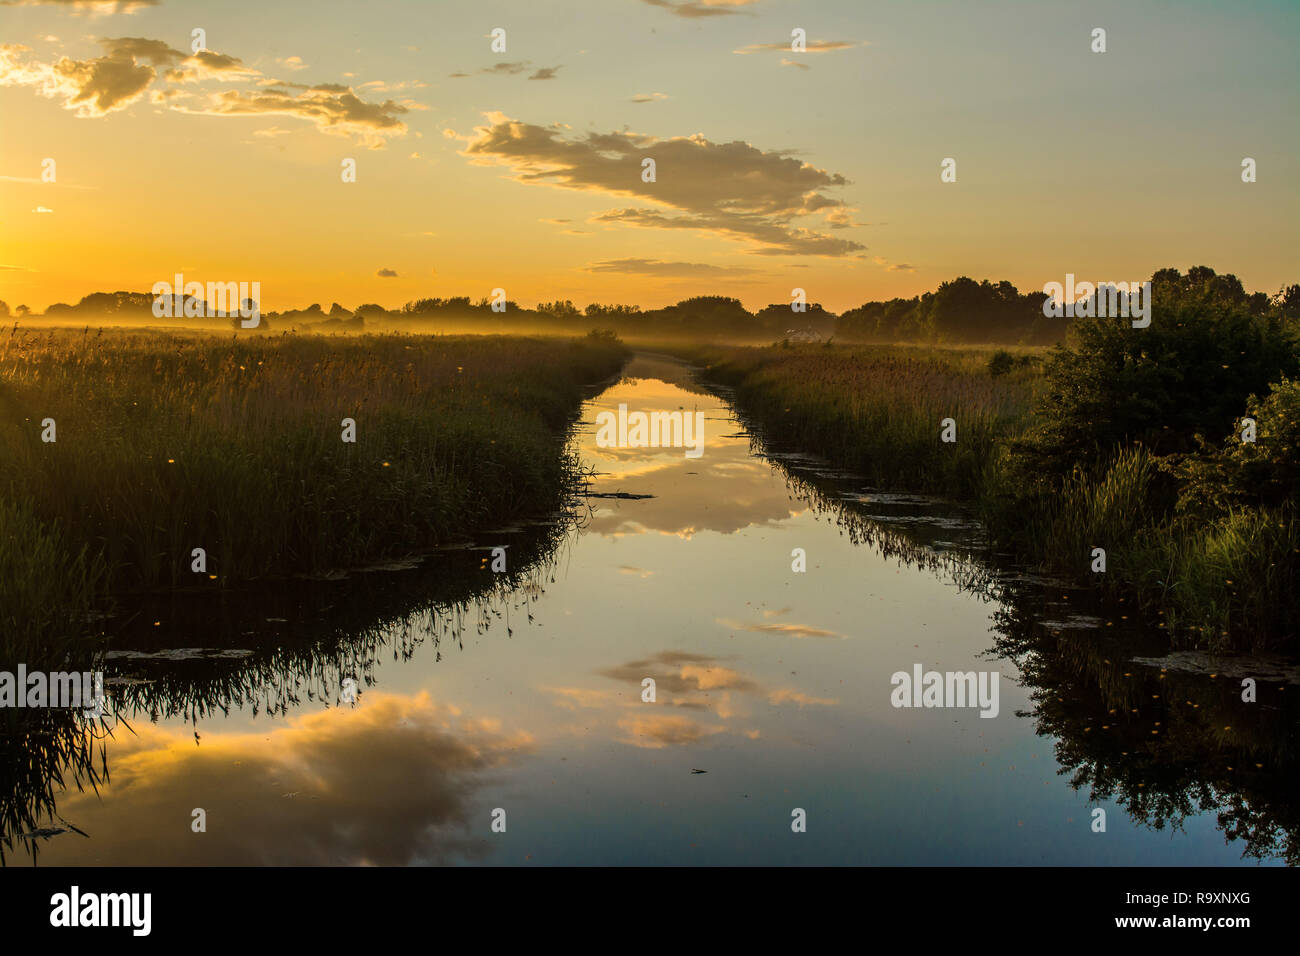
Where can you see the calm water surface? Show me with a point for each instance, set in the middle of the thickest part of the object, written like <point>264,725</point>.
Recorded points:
<point>523,693</point>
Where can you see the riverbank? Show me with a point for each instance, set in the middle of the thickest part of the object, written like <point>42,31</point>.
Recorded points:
<point>1219,580</point>
<point>137,461</point>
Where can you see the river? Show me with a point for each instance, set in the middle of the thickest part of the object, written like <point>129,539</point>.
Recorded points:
<point>502,717</point>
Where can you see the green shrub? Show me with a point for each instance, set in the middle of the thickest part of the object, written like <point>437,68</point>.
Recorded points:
<point>1190,371</point>
<point>1264,472</point>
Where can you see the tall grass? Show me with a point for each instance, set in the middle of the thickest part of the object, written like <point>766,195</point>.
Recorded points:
<point>167,443</point>
<point>1225,584</point>
<point>48,583</point>
<point>879,410</point>
<point>1233,582</point>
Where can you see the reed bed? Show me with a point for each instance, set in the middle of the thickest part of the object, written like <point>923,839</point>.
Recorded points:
<point>170,442</point>
<point>880,410</point>
<point>1225,584</point>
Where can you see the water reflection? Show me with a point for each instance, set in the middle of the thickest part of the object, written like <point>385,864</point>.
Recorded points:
<point>1163,744</point>
<point>387,784</point>
<point>182,659</point>
<point>526,691</point>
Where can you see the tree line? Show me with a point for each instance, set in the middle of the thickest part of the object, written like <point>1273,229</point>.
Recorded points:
<point>959,311</point>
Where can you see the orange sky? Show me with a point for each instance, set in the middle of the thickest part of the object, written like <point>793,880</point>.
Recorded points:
<point>522,169</point>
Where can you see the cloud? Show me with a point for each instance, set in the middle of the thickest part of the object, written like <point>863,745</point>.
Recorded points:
<point>121,77</point>
<point>701,8</point>
<point>512,69</point>
<point>292,63</point>
<point>573,698</point>
<point>669,730</point>
<point>91,87</point>
<point>788,630</point>
<point>94,7</point>
<point>656,267</point>
<point>682,673</point>
<point>812,46</point>
<point>99,86</point>
<point>398,781</point>
<point>42,209</point>
<point>383,86</point>
<point>155,51</point>
<point>206,65</point>
<point>802,66</point>
<point>386,274</point>
<point>649,97</point>
<point>779,239</point>
<point>783,694</point>
<point>732,189</point>
<point>683,681</point>
<point>329,106</point>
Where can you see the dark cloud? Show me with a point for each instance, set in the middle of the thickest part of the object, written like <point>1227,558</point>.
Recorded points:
<point>730,189</point>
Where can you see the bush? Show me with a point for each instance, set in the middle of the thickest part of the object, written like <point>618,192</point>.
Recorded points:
<point>1001,362</point>
<point>1190,371</point>
<point>1262,473</point>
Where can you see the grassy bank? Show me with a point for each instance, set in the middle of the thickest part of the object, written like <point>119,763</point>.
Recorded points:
<point>877,409</point>
<point>166,443</point>
<point>1199,529</point>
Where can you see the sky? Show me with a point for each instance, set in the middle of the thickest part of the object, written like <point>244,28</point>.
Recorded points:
<point>522,169</point>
